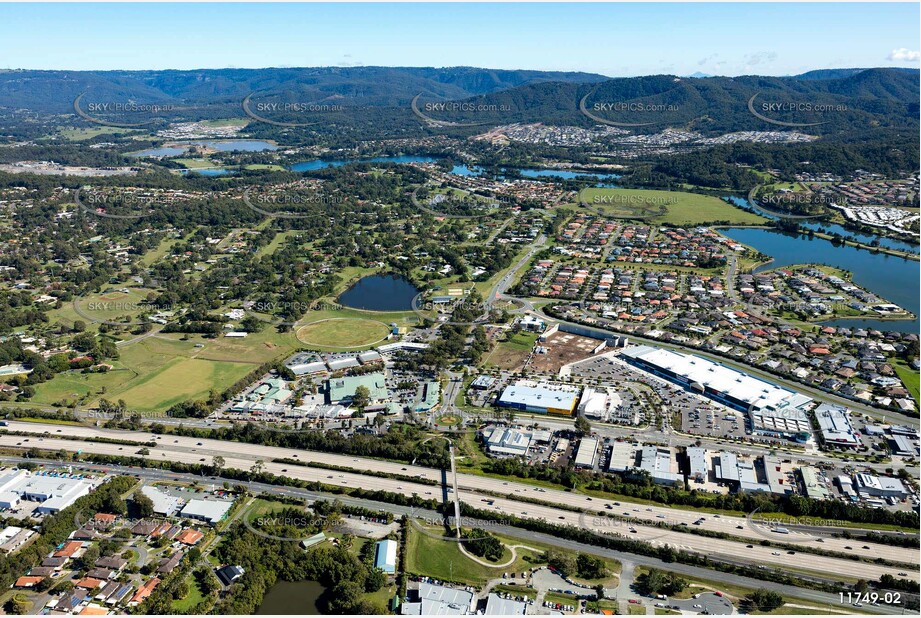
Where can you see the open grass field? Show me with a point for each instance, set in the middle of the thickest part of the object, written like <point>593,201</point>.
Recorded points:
<point>511,354</point>
<point>908,376</point>
<point>443,559</point>
<point>673,207</point>
<point>179,380</point>
<point>153,374</point>
<point>78,135</point>
<point>190,600</point>
<point>265,166</point>
<point>112,305</point>
<point>195,163</point>
<point>342,333</point>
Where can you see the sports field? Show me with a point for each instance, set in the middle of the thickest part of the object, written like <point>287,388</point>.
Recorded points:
<point>342,333</point>
<point>672,207</point>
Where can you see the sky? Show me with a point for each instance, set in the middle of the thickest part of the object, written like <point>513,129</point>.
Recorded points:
<point>616,40</point>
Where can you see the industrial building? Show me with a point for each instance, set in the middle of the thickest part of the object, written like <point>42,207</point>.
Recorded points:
<point>163,503</point>
<point>763,474</point>
<point>660,463</point>
<point>623,457</point>
<point>54,492</point>
<point>497,606</point>
<point>773,410</point>
<point>540,399</point>
<point>385,556</point>
<point>880,486</point>
<point>211,511</point>
<point>305,363</point>
<point>342,390</point>
<point>775,477</point>
<point>835,426</point>
<point>434,600</point>
<point>586,453</point>
<point>698,468</point>
<point>813,485</point>
<point>506,441</point>
<point>902,446</point>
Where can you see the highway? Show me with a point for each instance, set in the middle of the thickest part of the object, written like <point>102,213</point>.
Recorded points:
<point>479,488</point>
<point>150,475</point>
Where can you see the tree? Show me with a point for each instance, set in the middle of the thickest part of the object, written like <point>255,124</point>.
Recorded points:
<point>377,579</point>
<point>88,559</point>
<point>143,505</point>
<point>590,567</point>
<point>655,582</point>
<point>344,597</point>
<point>583,427</point>
<point>765,600</point>
<point>362,398</point>
<point>217,462</point>
<point>482,544</point>
<point>562,562</point>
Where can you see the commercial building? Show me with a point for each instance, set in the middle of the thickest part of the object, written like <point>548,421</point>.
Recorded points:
<point>429,396</point>
<point>506,441</point>
<point>481,383</point>
<point>773,410</point>
<point>211,511</point>
<point>594,403</point>
<point>385,556</point>
<point>342,390</point>
<point>835,426</point>
<point>539,399</point>
<point>586,453</point>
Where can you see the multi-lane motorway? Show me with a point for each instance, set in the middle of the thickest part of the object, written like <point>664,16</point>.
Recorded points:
<point>507,497</point>
<point>153,475</point>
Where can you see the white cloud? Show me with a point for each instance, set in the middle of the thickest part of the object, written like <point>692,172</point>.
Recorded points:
<point>903,54</point>
<point>759,58</point>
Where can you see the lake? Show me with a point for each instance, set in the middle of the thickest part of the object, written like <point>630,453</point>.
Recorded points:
<point>830,228</point>
<point>291,598</point>
<point>319,164</point>
<point>380,293</point>
<point>463,170</point>
<point>209,171</point>
<point>893,278</point>
<point>460,170</point>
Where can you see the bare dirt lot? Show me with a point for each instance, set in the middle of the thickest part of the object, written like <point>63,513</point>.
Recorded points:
<point>562,349</point>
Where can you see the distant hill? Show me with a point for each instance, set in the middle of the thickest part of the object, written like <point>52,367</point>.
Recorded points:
<point>865,99</point>
<point>839,73</point>
<point>54,91</point>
